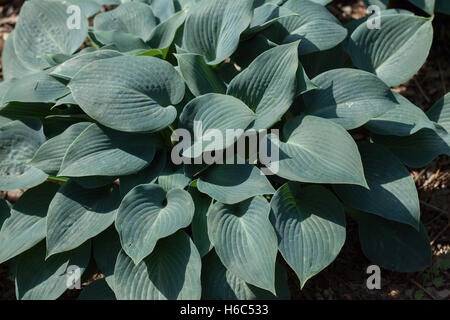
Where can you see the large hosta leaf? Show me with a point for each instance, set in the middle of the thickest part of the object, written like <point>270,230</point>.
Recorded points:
<point>137,93</point>
<point>349,97</point>
<point>392,193</point>
<point>392,245</point>
<point>269,85</point>
<point>42,29</point>
<point>218,283</point>
<point>315,26</point>
<point>212,28</point>
<point>19,140</point>
<point>199,77</point>
<point>38,278</point>
<point>97,290</point>
<point>425,5</point>
<point>233,183</point>
<point>149,213</point>
<point>396,51</point>
<point>77,214</point>
<point>310,224</point>
<point>104,152</point>
<point>171,271</point>
<point>164,33</point>
<point>245,240</point>
<point>50,154</point>
<point>25,227</point>
<point>440,112</point>
<point>403,120</point>
<point>132,19</point>
<point>319,151</point>
<point>69,68</point>
<point>172,177</point>
<point>213,113</point>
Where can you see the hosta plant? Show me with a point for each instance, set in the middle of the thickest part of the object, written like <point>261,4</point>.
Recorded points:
<point>132,132</point>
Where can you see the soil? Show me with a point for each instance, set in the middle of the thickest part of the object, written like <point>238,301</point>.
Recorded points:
<point>346,277</point>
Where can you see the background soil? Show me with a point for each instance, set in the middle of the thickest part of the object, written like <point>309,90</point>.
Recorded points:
<point>346,277</point>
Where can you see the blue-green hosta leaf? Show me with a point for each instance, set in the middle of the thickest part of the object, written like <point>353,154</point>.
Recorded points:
<point>213,28</point>
<point>163,9</point>
<point>164,33</point>
<point>349,97</point>
<point>199,224</point>
<point>218,283</point>
<point>50,154</point>
<point>213,113</point>
<point>396,51</point>
<point>171,271</point>
<point>440,112</point>
<point>77,214</point>
<point>315,26</point>
<point>69,68</point>
<point>172,177</point>
<point>319,151</point>
<point>310,224</point>
<point>233,183</point>
<point>19,140</point>
<point>419,149</point>
<point>106,247</point>
<point>88,7</point>
<point>137,93</point>
<point>146,176</point>
<point>36,87</point>
<point>403,120</point>
<point>148,213</point>
<point>425,5</point>
<point>322,2</point>
<point>245,240</point>
<point>265,15</point>
<point>12,66</point>
<point>200,78</point>
<point>392,245</point>
<point>269,85</point>
<point>100,151</point>
<point>42,29</point>
<point>25,227</point>
<point>133,18</point>
<point>38,278</point>
<point>392,193</point>
<point>97,290</point>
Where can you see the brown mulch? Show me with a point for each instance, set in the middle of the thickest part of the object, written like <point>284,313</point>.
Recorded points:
<point>346,277</point>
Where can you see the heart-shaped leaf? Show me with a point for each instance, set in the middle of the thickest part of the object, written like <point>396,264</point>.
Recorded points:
<point>137,93</point>
<point>245,240</point>
<point>148,213</point>
<point>393,60</point>
<point>310,224</point>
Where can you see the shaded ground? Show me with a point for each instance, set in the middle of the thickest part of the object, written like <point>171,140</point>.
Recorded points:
<point>346,277</point>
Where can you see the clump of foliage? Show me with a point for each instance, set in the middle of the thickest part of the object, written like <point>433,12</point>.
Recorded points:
<point>86,120</point>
